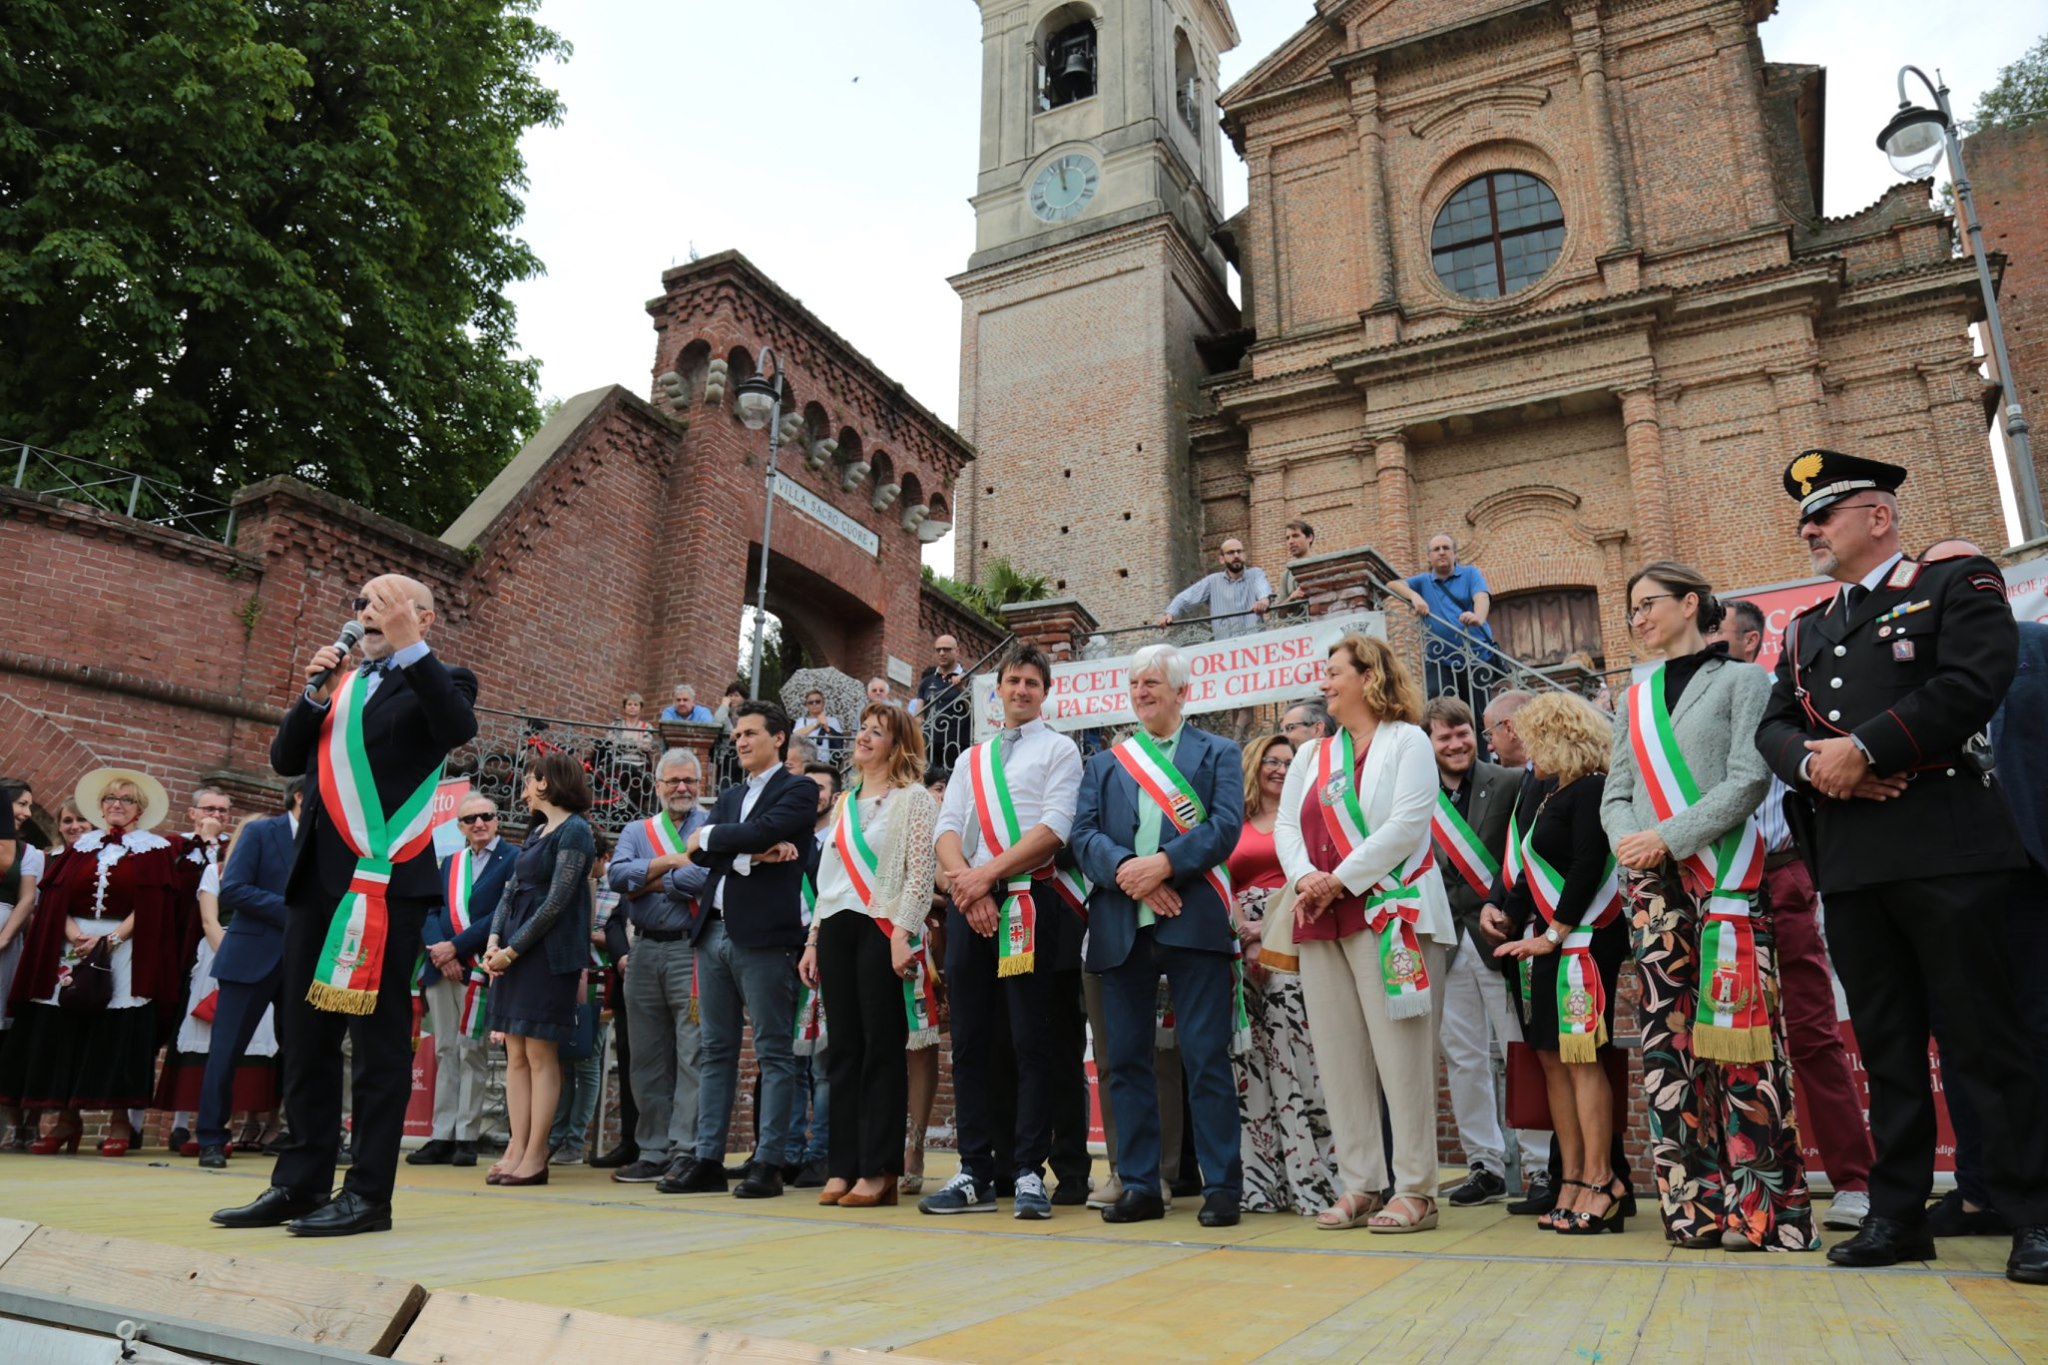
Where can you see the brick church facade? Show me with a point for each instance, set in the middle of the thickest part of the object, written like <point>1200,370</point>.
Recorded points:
<point>1549,276</point>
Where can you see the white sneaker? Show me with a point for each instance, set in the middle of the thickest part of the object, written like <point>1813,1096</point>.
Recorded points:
<point>1847,1210</point>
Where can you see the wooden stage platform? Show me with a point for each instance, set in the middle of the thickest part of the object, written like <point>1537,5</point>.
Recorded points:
<point>988,1288</point>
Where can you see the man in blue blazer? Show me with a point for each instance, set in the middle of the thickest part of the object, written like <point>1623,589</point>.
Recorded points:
<point>749,932</point>
<point>460,1071</point>
<point>1157,816</point>
<point>249,964</point>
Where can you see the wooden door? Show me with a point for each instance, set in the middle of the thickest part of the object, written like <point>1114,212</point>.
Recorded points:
<point>1546,625</point>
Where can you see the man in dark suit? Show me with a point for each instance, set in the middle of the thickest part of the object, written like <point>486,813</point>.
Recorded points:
<point>1156,817</point>
<point>460,1066</point>
<point>1880,695</point>
<point>748,934</point>
<point>1474,801</point>
<point>411,710</point>
<point>248,965</point>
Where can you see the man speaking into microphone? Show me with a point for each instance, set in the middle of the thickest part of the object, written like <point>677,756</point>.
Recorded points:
<point>371,741</point>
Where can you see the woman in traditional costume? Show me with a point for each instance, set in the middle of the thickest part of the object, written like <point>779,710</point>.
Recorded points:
<point>99,979</point>
<point>1683,786</point>
<point>865,953</point>
<point>1372,927</point>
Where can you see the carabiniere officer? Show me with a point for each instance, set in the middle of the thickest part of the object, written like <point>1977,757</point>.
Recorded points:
<point>1881,690</point>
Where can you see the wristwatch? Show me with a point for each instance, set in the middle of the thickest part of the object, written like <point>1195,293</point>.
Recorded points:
<point>1552,936</point>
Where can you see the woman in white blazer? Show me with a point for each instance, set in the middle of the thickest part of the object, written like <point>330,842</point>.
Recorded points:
<point>1372,927</point>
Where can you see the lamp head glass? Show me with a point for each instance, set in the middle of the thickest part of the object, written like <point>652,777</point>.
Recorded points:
<point>1913,141</point>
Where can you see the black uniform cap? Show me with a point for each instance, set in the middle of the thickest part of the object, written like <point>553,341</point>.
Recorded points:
<point>1821,478</point>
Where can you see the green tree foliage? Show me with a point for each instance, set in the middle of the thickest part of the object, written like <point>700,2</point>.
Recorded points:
<point>1001,584</point>
<point>241,238</point>
<point>2021,95</point>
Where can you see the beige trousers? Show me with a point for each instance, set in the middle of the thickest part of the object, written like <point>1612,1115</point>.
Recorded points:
<point>1359,1050</point>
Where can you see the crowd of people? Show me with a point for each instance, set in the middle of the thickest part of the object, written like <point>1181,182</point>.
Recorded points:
<point>1265,946</point>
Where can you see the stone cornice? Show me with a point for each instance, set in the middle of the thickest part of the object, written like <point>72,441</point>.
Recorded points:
<point>95,523</point>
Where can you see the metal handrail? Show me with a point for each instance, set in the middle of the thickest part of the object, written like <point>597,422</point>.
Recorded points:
<point>121,491</point>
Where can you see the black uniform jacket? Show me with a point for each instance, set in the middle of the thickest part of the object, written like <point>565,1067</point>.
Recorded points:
<point>1914,671</point>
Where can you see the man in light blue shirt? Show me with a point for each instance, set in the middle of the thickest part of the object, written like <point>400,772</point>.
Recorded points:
<point>686,710</point>
<point>1454,601</point>
<point>1237,596</point>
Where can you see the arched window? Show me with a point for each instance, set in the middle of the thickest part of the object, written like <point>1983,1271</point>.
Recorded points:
<point>692,365</point>
<point>1187,84</point>
<point>1066,56</point>
<point>1498,234</point>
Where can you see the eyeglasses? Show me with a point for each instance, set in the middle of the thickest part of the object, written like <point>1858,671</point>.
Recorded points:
<point>1642,608</point>
<point>477,817</point>
<point>1827,514</point>
<point>217,812</point>
<point>675,782</point>
<point>120,801</point>
<point>1278,763</point>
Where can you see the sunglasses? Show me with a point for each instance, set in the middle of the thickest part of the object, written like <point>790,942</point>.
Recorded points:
<point>476,818</point>
<point>1827,514</point>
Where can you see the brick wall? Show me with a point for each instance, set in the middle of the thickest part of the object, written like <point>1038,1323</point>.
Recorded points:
<point>2009,177</point>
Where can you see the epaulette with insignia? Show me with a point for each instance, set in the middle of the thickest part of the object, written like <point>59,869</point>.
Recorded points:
<point>1985,581</point>
<point>1904,574</point>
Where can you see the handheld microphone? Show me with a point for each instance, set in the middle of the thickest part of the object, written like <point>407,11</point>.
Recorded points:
<point>343,643</point>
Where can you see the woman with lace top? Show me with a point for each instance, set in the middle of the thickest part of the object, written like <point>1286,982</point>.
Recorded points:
<point>111,904</point>
<point>538,948</point>
<point>865,951</point>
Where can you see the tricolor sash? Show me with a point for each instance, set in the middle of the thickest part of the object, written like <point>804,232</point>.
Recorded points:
<point>352,959</point>
<point>1394,903</point>
<point>1169,790</point>
<point>1581,995</point>
<point>1733,1022</point>
<point>476,991</point>
<point>1017,918</point>
<point>1072,888</point>
<point>863,869</point>
<point>1461,846</point>
<point>663,835</point>
<point>810,1021</point>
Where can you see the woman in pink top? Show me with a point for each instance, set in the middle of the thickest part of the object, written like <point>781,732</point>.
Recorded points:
<point>1290,1159</point>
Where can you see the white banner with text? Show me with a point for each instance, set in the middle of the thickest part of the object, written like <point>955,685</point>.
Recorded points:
<point>1284,664</point>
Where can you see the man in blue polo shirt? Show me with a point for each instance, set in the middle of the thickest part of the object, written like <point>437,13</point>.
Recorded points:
<point>1454,600</point>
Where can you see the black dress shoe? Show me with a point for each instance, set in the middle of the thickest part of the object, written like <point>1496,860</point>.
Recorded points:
<point>1884,1241</point>
<point>1541,1198</point>
<point>625,1154</point>
<point>739,1172</point>
<point>465,1154</point>
<point>179,1137</point>
<point>1071,1191</point>
<point>2028,1263</point>
<point>1946,1217</point>
<point>272,1208</point>
<point>764,1181</point>
<point>809,1176</point>
<point>1219,1210</point>
<point>438,1152</point>
<point>348,1214</point>
<point>213,1158</point>
<point>1134,1206</point>
<point>1187,1187</point>
<point>687,1175</point>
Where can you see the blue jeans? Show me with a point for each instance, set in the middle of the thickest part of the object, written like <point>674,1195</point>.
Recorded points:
<point>735,984</point>
<point>582,1083</point>
<point>811,1095</point>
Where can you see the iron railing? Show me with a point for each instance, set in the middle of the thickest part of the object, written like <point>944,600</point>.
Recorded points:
<point>948,723</point>
<point>620,763</point>
<point>121,491</point>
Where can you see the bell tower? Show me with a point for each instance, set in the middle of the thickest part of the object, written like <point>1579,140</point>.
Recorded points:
<point>1095,270</point>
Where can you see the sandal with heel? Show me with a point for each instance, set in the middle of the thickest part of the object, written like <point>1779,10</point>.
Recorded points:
<point>1584,1223</point>
<point>1395,1219</point>
<point>1350,1211</point>
<point>1557,1219</point>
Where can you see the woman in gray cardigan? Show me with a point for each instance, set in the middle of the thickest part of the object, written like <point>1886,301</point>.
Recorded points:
<point>1683,786</point>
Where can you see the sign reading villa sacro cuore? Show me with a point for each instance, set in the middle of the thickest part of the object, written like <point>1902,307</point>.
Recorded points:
<point>1282,664</point>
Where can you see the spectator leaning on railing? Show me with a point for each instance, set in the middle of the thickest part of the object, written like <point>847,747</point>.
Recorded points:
<point>1237,596</point>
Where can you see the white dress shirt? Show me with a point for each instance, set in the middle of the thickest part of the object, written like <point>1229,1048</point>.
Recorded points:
<point>398,658</point>
<point>1043,770</point>
<point>742,863</point>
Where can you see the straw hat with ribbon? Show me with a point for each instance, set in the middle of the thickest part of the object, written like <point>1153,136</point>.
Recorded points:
<point>156,802</point>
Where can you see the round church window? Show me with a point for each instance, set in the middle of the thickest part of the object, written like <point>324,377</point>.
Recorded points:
<point>1497,235</point>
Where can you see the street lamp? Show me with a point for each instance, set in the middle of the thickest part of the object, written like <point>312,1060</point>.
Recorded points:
<point>1914,141</point>
<point>759,402</point>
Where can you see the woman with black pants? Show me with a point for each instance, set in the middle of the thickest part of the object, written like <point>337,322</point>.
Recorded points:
<point>875,877</point>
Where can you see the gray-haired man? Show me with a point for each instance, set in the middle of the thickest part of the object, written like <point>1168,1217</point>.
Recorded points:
<point>658,887</point>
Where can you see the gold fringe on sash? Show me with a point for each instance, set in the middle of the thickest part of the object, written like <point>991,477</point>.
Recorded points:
<point>1713,1043</point>
<point>340,999</point>
<point>1581,1048</point>
<point>1016,964</point>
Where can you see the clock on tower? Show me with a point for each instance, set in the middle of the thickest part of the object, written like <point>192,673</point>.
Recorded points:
<point>1095,270</point>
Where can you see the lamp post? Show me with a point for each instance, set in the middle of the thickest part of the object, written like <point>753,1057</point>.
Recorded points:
<point>1915,140</point>
<point>759,402</point>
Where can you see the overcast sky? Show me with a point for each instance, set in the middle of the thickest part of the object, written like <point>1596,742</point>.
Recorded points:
<point>835,143</point>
